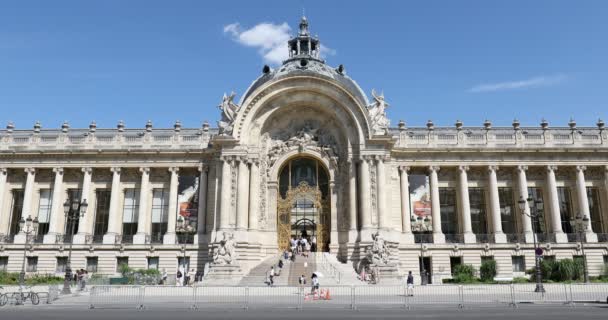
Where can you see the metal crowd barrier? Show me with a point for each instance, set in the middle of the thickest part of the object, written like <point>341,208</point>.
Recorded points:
<point>341,297</point>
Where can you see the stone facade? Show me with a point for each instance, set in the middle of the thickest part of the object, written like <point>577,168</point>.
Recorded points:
<point>473,177</point>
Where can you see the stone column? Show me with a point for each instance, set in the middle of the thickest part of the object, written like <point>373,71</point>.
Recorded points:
<point>352,199</point>
<point>522,185</point>
<point>583,202</point>
<point>438,236</point>
<point>254,194</point>
<point>499,236</point>
<point>333,198</point>
<point>4,214</point>
<point>56,225</point>
<point>463,184</point>
<point>202,200</point>
<point>170,236</point>
<point>28,195</point>
<point>143,214</point>
<point>382,212</point>
<point>406,225</point>
<point>115,219</point>
<point>364,192</point>
<point>554,209</point>
<point>87,219</point>
<point>242,215</point>
<point>225,195</point>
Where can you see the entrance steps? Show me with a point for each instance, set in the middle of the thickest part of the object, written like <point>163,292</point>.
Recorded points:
<point>336,269</point>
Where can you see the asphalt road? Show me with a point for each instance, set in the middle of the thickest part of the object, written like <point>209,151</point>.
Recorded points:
<point>536,312</point>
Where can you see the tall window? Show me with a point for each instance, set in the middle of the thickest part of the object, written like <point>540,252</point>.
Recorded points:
<point>478,211</point>
<point>593,195</point>
<point>121,261</point>
<point>565,208</point>
<point>102,211</point>
<point>32,264</point>
<point>153,263</point>
<point>130,212</point>
<point>62,263</point>
<point>73,196</point>
<point>3,264</point>
<point>16,210</point>
<point>180,263</point>
<point>92,264</point>
<point>507,210</point>
<point>539,222</point>
<point>160,211</point>
<point>519,263</point>
<point>44,211</point>
<point>449,218</point>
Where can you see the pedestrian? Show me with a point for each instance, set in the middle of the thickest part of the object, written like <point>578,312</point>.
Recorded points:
<point>179,277</point>
<point>410,284</point>
<point>293,257</point>
<point>83,282</point>
<point>285,254</point>
<point>163,279</point>
<point>302,280</point>
<point>292,244</point>
<point>315,283</point>
<point>280,264</point>
<point>79,279</point>
<point>313,244</point>
<point>271,276</point>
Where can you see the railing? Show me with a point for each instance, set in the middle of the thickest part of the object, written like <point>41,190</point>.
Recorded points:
<point>156,238</point>
<point>124,239</point>
<point>454,238</point>
<point>7,238</point>
<point>321,259</point>
<point>423,238</point>
<point>105,139</point>
<point>185,238</point>
<point>342,297</point>
<point>602,237</point>
<point>484,238</point>
<point>515,238</point>
<point>504,137</point>
<point>572,237</point>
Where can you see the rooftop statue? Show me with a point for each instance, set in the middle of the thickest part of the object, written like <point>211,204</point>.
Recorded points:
<point>377,114</point>
<point>229,112</point>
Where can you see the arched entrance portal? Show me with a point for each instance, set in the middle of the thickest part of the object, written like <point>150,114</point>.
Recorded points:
<point>303,204</point>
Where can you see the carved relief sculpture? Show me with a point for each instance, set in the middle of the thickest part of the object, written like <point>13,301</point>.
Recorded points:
<point>225,254</point>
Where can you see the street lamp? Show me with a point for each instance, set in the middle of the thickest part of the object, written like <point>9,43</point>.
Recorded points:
<point>184,231</point>
<point>580,225</point>
<point>28,227</point>
<point>73,210</point>
<point>536,208</point>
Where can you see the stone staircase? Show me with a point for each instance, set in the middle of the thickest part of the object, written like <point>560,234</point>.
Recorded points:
<point>257,275</point>
<point>335,269</point>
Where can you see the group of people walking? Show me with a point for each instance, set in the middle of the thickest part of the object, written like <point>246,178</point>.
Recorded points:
<point>302,246</point>
<point>183,277</point>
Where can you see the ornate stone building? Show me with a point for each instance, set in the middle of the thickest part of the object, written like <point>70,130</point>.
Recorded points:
<point>303,153</point>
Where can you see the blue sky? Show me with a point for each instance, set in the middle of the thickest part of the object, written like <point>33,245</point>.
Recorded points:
<point>168,60</point>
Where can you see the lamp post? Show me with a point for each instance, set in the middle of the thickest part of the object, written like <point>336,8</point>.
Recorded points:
<point>422,224</point>
<point>536,208</point>
<point>27,226</point>
<point>580,225</point>
<point>73,210</point>
<point>184,231</point>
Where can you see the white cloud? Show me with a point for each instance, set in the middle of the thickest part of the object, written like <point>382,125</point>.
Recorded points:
<point>540,81</point>
<point>270,39</point>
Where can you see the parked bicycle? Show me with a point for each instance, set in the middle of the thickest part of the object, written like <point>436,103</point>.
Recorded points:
<point>3,298</point>
<point>22,296</point>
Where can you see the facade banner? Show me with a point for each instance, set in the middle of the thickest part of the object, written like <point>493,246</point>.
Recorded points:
<point>420,203</point>
<point>187,202</point>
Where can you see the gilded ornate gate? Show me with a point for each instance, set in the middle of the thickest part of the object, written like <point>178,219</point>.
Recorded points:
<point>286,206</point>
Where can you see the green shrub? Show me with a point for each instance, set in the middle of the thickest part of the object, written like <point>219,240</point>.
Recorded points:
<point>520,280</point>
<point>565,270</point>
<point>579,269</point>
<point>464,273</point>
<point>12,278</point>
<point>487,271</point>
<point>548,269</point>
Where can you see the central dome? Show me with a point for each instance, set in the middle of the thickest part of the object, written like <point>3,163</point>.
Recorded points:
<point>304,52</point>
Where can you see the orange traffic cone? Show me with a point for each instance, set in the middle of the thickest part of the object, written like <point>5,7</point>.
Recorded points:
<point>327,295</point>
